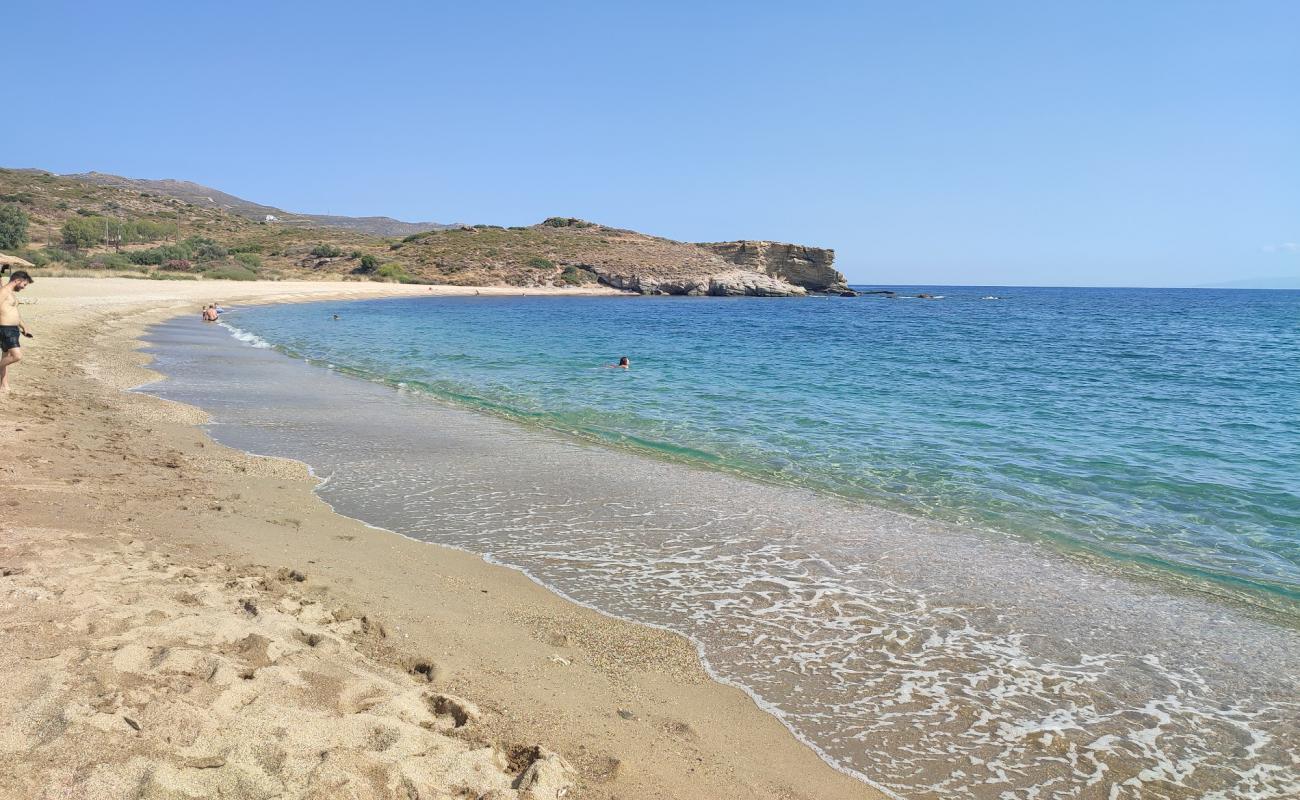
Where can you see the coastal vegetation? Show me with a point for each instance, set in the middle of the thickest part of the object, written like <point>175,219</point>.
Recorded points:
<point>13,226</point>
<point>327,251</point>
<point>66,223</point>
<point>394,272</point>
<point>173,228</point>
<point>578,276</point>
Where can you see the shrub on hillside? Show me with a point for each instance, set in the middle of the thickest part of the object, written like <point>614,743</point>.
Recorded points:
<point>111,261</point>
<point>147,230</point>
<point>250,260</point>
<point>205,249</point>
<point>57,255</point>
<point>394,272</point>
<point>368,266</point>
<point>161,255</point>
<point>45,256</point>
<point>577,276</point>
<point>537,262</point>
<point>178,265</point>
<point>82,232</point>
<point>13,227</point>
<point>567,222</point>
<point>230,272</point>
<point>326,251</point>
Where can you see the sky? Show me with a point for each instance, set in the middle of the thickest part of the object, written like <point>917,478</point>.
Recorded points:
<point>995,143</point>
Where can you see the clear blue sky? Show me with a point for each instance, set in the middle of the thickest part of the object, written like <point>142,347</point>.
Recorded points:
<point>1087,143</point>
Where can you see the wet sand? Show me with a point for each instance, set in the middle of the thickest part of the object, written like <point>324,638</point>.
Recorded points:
<point>185,620</point>
<point>941,661</point>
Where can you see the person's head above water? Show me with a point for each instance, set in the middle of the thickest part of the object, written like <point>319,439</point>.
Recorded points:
<point>624,362</point>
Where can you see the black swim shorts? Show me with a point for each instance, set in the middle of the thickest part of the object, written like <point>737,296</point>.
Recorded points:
<point>8,337</point>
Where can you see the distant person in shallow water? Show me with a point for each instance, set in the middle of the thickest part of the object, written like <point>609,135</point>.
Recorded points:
<point>209,313</point>
<point>336,316</point>
<point>623,363</point>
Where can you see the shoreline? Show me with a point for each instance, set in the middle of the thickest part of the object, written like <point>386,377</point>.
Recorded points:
<point>516,642</point>
<point>759,702</point>
<point>1120,610</point>
<point>1273,604</point>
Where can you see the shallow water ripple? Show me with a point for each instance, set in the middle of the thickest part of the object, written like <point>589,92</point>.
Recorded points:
<point>933,659</point>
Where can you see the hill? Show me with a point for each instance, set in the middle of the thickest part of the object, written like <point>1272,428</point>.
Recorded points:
<point>207,197</point>
<point>148,227</point>
<point>77,224</point>
<point>585,252</point>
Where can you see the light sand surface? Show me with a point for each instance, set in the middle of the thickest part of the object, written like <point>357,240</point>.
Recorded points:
<point>183,620</point>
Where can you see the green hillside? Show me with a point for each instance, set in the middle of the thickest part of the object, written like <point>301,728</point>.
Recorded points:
<point>92,222</point>
<point>75,225</point>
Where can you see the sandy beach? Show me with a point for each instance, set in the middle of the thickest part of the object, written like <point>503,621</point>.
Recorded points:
<point>185,620</point>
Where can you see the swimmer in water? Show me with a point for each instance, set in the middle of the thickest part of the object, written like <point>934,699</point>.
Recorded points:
<point>623,363</point>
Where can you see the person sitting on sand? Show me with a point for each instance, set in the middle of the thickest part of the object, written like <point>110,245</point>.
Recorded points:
<point>209,313</point>
<point>11,325</point>
<point>623,363</point>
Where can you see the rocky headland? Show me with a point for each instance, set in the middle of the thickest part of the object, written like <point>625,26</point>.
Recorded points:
<point>807,267</point>
<point>568,250</point>
<point>178,229</point>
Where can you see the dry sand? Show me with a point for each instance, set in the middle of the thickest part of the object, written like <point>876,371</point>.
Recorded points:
<point>184,620</point>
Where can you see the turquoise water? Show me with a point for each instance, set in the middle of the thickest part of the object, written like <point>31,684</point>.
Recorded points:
<point>938,661</point>
<point>1153,427</point>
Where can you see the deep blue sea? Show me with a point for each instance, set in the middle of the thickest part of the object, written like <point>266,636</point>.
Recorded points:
<point>1159,428</point>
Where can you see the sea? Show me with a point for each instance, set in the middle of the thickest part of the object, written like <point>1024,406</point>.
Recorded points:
<point>991,543</point>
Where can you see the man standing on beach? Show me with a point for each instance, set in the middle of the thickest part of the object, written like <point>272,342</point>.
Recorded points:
<point>11,325</point>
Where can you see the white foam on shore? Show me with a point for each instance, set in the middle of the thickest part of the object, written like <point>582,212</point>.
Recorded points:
<point>246,337</point>
<point>939,662</point>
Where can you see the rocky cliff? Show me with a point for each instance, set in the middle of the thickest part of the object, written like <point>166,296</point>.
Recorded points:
<point>729,282</point>
<point>807,267</point>
<point>574,251</point>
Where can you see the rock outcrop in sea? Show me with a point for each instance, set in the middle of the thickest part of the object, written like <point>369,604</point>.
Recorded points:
<point>748,268</point>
